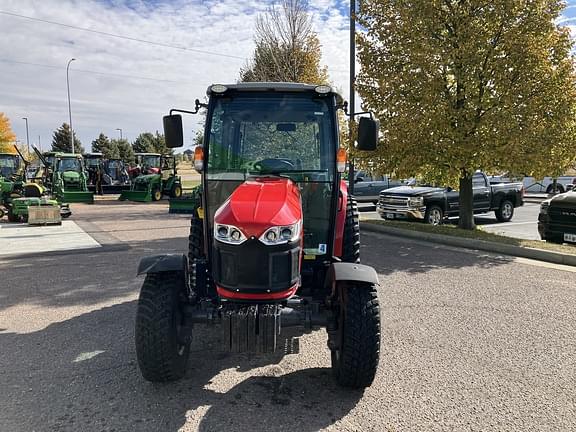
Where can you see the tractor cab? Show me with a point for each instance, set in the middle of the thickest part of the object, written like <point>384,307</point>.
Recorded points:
<point>275,242</point>
<point>150,163</point>
<point>93,162</point>
<point>10,165</point>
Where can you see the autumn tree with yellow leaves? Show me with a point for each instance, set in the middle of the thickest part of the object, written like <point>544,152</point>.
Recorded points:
<point>7,136</point>
<point>465,85</point>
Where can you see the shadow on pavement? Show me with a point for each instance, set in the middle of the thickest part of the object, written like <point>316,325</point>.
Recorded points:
<point>81,375</point>
<point>389,254</point>
<point>78,277</point>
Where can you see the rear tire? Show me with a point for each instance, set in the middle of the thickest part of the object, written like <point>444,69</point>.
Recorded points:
<point>355,361</point>
<point>351,238</point>
<point>505,211</point>
<point>195,239</point>
<point>161,351</point>
<point>12,217</point>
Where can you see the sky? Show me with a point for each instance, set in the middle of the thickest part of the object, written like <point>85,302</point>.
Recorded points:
<point>130,84</point>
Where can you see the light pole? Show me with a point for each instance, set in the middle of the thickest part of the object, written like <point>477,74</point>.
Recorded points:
<point>352,82</point>
<point>119,129</point>
<point>69,106</point>
<point>27,136</point>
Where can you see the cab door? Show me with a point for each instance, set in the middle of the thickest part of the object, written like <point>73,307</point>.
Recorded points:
<point>481,190</point>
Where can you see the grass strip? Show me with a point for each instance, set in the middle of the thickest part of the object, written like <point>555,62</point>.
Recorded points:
<point>476,234</point>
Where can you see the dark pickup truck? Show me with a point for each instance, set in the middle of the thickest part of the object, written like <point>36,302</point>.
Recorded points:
<point>434,204</point>
<point>557,219</point>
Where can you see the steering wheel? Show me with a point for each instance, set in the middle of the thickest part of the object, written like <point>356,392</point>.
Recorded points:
<point>274,165</point>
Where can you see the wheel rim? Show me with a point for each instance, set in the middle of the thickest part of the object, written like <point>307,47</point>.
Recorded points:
<point>434,217</point>
<point>157,195</point>
<point>178,192</point>
<point>507,210</point>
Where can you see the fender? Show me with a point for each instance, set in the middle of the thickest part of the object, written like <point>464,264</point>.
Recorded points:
<point>351,272</point>
<point>163,263</point>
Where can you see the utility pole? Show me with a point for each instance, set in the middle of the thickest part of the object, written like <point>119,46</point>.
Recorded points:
<point>351,105</point>
<point>27,136</point>
<point>69,106</point>
<point>39,144</point>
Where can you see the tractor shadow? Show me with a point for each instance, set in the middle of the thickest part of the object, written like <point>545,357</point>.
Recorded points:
<point>82,374</point>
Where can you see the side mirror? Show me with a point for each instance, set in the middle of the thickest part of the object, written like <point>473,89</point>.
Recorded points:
<point>359,179</point>
<point>173,133</point>
<point>367,134</point>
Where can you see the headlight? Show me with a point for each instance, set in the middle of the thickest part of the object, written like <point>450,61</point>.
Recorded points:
<point>544,207</point>
<point>416,202</point>
<point>281,234</point>
<point>228,234</point>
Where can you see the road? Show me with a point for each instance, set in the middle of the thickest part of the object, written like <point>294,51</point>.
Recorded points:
<point>524,224</point>
<point>470,341</point>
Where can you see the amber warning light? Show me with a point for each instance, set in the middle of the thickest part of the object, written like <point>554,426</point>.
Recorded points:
<point>341,160</point>
<point>199,159</point>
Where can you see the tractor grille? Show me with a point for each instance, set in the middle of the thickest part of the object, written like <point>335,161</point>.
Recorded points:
<point>393,201</point>
<point>253,267</point>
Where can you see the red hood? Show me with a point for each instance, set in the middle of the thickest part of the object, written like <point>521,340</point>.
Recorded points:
<point>258,204</point>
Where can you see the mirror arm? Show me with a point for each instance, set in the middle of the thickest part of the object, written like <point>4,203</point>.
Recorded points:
<point>344,107</point>
<point>197,107</point>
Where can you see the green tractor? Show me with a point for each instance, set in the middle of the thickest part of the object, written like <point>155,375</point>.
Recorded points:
<point>157,176</point>
<point>69,179</point>
<point>17,196</point>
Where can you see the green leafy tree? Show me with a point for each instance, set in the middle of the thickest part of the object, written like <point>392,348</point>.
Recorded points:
<point>100,144</point>
<point>466,85</point>
<point>61,140</point>
<point>144,143</point>
<point>287,48</point>
<point>125,151</point>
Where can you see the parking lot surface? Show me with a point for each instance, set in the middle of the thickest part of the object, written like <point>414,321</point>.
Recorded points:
<point>470,341</point>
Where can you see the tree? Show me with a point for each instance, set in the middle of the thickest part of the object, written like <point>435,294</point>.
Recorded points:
<point>466,85</point>
<point>7,136</point>
<point>124,148</point>
<point>61,140</point>
<point>287,48</point>
<point>101,144</point>
<point>144,143</point>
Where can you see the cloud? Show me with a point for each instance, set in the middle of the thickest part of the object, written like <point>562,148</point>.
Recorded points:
<point>102,103</point>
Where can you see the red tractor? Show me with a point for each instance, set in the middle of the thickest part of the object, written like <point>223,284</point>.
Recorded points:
<point>274,241</point>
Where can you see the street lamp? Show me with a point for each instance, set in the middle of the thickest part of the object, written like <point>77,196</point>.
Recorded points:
<point>69,106</point>
<point>119,129</point>
<point>27,136</point>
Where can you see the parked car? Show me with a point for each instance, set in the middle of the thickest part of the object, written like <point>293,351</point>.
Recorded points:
<point>557,219</point>
<point>367,187</point>
<point>545,185</point>
<point>434,204</point>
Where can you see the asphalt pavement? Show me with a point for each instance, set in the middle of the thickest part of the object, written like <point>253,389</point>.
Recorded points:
<point>470,341</point>
<point>524,224</point>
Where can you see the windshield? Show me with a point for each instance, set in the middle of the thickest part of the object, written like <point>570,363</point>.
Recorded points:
<point>71,164</point>
<point>9,164</point>
<point>150,161</point>
<point>287,134</point>
<point>92,162</point>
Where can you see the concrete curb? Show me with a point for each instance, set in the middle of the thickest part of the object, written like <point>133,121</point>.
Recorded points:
<point>536,254</point>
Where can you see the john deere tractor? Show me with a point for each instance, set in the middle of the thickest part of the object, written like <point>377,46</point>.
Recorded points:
<point>158,177</point>
<point>18,196</point>
<point>275,241</point>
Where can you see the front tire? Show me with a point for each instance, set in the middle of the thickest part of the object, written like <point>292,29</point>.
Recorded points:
<point>555,190</point>
<point>156,194</point>
<point>505,211</point>
<point>176,191</point>
<point>434,215</point>
<point>162,348</point>
<point>355,359</point>
<point>351,237</point>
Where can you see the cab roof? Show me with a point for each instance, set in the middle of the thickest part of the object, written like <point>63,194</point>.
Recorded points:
<point>281,87</point>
